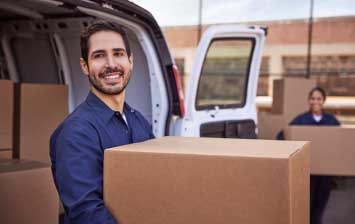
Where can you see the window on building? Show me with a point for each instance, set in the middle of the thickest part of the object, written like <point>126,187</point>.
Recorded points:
<point>335,73</point>
<point>294,65</point>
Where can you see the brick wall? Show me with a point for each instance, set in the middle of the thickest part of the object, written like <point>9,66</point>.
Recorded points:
<point>325,30</point>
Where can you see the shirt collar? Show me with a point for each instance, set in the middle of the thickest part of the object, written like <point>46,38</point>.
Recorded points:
<point>101,109</point>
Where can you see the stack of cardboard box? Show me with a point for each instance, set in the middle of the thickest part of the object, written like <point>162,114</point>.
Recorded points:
<point>180,180</point>
<point>290,98</point>
<point>29,113</point>
<point>39,109</point>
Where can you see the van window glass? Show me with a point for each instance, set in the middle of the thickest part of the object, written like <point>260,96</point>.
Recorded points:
<point>35,59</point>
<point>224,75</point>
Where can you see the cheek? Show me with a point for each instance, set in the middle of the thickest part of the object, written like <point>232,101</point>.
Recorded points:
<point>95,68</point>
<point>125,63</point>
<point>320,102</point>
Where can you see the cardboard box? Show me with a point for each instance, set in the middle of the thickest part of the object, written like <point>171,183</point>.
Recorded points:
<point>290,96</point>
<point>332,148</point>
<point>39,109</point>
<point>6,113</point>
<point>28,194</point>
<point>269,125</point>
<point>179,180</point>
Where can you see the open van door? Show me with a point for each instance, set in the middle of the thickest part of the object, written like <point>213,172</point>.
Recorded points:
<point>221,92</point>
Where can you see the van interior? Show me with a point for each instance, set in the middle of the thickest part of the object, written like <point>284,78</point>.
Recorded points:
<point>40,43</point>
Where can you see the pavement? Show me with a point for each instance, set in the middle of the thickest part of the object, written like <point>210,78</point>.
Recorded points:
<point>341,205</point>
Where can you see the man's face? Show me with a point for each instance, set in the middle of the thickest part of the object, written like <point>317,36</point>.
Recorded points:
<point>108,67</point>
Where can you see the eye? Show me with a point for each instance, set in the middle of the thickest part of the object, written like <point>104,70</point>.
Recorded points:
<point>119,53</point>
<point>99,55</point>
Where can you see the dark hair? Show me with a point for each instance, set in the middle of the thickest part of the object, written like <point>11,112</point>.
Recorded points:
<point>101,26</point>
<point>319,89</point>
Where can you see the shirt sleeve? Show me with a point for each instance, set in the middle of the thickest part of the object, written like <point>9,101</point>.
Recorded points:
<point>297,120</point>
<point>79,174</point>
<point>333,120</point>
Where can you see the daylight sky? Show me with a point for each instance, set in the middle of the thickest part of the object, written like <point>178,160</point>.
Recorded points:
<point>185,12</point>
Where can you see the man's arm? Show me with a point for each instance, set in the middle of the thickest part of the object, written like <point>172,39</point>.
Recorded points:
<point>79,174</point>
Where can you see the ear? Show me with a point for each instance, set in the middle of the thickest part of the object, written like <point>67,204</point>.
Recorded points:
<point>84,66</point>
<point>130,59</point>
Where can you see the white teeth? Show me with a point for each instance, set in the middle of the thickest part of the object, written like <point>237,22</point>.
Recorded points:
<point>112,77</point>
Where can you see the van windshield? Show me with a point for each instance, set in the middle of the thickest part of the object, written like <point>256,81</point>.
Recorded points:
<point>224,75</point>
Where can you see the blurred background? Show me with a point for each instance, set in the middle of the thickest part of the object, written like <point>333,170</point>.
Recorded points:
<point>312,38</point>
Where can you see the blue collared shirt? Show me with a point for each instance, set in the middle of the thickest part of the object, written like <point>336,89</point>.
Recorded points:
<point>308,119</point>
<point>77,151</point>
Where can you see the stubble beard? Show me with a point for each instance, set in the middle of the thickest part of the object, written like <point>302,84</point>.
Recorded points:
<point>112,90</point>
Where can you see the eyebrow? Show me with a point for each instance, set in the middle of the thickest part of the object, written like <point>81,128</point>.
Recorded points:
<point>119,49</point>
<point>102,51</point>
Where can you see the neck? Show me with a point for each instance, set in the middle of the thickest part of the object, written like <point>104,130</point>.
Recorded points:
<point>317,113</point>
<point>114,102</point>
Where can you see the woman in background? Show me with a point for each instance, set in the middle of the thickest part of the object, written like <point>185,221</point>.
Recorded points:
<point>320,186</point>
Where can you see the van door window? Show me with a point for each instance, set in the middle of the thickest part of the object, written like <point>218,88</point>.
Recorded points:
<point>35,59</point>
<point>224,75</point>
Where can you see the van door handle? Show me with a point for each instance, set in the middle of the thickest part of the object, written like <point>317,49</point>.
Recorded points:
<point>214,112</point>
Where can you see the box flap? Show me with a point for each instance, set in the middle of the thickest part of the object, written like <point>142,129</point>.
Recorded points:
<point>215,147</point>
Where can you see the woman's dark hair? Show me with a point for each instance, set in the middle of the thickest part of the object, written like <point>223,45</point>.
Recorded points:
<point>97,27</point>
<point>319,89</point>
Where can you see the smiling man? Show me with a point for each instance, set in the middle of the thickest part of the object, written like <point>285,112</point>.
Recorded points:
<point>102,121</point>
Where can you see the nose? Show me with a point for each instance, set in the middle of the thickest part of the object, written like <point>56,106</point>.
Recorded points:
<point>110,62</point>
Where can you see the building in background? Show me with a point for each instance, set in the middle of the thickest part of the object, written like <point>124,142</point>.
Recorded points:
<point>285,54</point>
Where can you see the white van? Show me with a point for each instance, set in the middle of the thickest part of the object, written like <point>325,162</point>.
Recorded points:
<point>40,44</point>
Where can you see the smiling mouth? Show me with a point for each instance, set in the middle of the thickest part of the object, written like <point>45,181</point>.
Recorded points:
<point>114,75</point>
